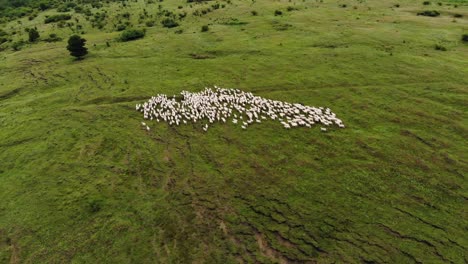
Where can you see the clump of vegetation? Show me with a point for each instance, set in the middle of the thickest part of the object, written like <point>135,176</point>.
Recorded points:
<point>57,18</point>
<point>465,38</point>
<point>458,15</point>
<point>281,27</point>
<point>33,35</point>
<point>76,46</point>
<point>233,22</point>
<point>94,206</point>
<point>53,38</point>
<point>3,37</point>
<point>66,7</point>
<point>18,45</point>
<point>278,12</point>
<point>440,47</point>
<point>132,34</point>
<point>205,28</point>
<point>169,23</point>
<point>429,13</point>
<point>149,23</point>
<point>426,3</point>
<point>121,27</point>
<point>254,13</point>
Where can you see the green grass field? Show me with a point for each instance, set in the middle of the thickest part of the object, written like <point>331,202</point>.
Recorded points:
<point>82,182</point>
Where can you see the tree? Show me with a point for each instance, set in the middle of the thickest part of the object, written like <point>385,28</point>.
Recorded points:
<point>33,35</point>
<point>76,46</point>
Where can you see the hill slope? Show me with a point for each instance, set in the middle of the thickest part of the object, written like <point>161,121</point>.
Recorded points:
<point>80,181</point>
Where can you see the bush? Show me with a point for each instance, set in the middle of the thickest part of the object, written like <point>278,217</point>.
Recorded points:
<point>428,13</point>
<point>254,13</point>
<point>57,18</point>
<point>169,23</point>
<point>53,38</point>
<point>3,40</point>
<point>205,28</point>
<point>78,9</point>
<point>94,206</point>
<point>465,37</point>
<point>440,47</point>
<point>426,3</point>
<point>132,34</point>
<point>63,9</point>
<point>149,23</point>
<point>278,13</point>
<point>458,15</point>
<point>121,27</point>
<point>33,35</point>
<point>18,45</point>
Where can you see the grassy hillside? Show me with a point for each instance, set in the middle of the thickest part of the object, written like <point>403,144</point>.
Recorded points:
<point>82,182</point>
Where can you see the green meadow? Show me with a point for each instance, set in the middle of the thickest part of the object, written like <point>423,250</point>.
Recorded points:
<point>82,182</point>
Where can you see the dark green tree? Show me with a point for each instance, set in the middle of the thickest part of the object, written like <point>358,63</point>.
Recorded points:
<point>33,35</point>
<point>76,46</point>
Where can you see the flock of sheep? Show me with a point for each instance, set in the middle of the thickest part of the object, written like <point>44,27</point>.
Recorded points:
<point>223,105</point>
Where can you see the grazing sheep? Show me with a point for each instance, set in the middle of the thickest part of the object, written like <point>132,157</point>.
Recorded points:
<point>220,104</point>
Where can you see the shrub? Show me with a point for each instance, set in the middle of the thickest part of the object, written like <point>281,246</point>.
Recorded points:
<point>278,12</point>
<point>169,23</point>
<point>440,47</point>
<point>57,18</point>
<point>94,206</point>
<point>150,23</point>
<point>63,9</point>
<point>205,28</point>
<point>44,6</point>
<point>33,35</point>
<point>254,13</point>
<point>18,45</point>
<point>132,34</point>
<point>458,15</point>
<point>3,40</point>
<point>428,13</point>
<point>426,3</point>
<point>78,9</point>
<point>121,27</point>
<point>465,37</point>
<point>53,38</point>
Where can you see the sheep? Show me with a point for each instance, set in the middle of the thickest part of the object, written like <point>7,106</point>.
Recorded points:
<point>220,104</point>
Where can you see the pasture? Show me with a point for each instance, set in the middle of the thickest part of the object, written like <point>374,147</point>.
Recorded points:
<point>82,181</point>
